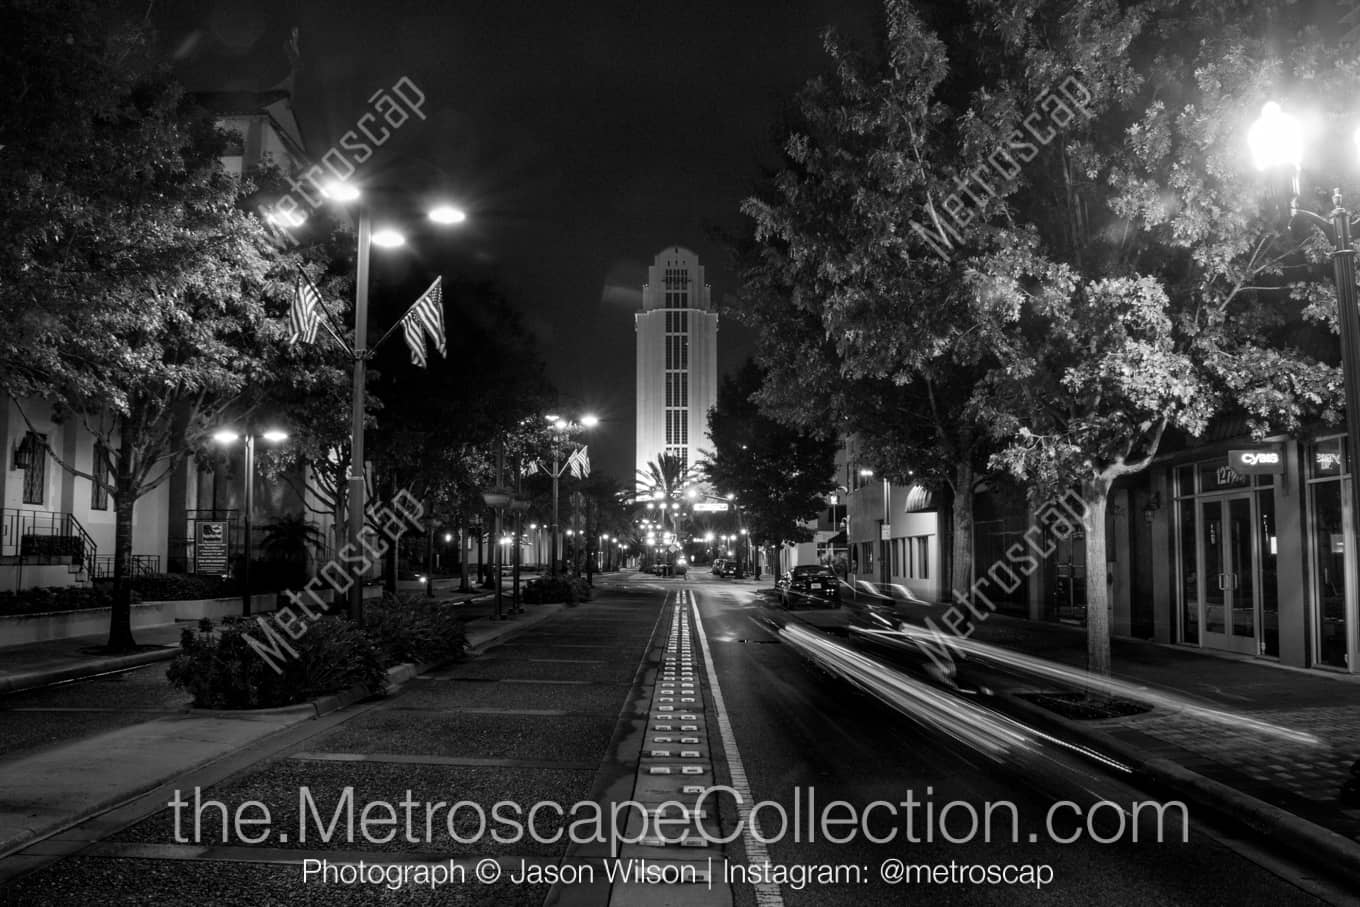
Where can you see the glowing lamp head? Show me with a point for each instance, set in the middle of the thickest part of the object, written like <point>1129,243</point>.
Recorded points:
<point>388,238</point>
<point>447,214</point>
<point>226,436</point>
<point>341,191</point>
<point>1275,139</point>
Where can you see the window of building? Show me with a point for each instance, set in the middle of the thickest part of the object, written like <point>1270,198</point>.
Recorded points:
<point>35,474</point>
<point>99,492</point>
<point>1330,530</point>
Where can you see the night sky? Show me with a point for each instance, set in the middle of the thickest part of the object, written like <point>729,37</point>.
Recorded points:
<point>582,139</point>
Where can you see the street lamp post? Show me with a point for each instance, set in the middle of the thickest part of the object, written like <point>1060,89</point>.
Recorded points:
<point>442,214</point>
<point>1275,140</point>
<point>562,428</point>
<point>227,436</point>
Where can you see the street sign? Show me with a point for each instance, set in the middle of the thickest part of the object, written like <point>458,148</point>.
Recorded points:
<point>885,531</point>
<point>1268,460</point>
<point>210,547</point>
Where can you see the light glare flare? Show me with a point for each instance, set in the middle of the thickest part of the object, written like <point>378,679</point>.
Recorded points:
<point>447,214</point>
<point>341,191</point>
<point>1275,138</point>
<point>388,238</point>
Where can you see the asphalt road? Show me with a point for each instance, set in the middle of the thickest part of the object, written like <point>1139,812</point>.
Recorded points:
<point>542,717</point>
<point>801,733</point>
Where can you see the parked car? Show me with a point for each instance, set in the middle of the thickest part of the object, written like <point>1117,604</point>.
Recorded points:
<point>717,566</point>
<point>809,584</point>
<point>728,568</point>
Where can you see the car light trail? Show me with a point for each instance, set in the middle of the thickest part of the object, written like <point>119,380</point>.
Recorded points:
<point>921,640</point>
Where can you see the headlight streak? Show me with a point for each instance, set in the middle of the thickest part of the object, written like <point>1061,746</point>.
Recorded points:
<point>993,734</point>
<point>906,634</point>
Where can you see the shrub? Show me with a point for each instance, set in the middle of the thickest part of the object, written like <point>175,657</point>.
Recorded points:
<point>56,598</point>
<point>569,589</point>
<point>221,671</point>
<point>414,629</point>
<point>171,587</point>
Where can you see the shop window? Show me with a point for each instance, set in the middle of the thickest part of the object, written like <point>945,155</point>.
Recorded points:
<point>1189,575</point>
<point>1329,551</point>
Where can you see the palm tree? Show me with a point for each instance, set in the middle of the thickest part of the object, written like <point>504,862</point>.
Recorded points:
<point>665,479</point>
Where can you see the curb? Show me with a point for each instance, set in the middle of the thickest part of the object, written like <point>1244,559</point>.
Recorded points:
<point>15,683</point>
<point>507,628</point>
<point>1321,848</point>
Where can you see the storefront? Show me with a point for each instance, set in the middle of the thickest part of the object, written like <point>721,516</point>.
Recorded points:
<point>1262,552</point>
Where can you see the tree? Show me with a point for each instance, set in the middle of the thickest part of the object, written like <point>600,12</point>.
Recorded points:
<point>780,475</point>
<point>663,480</point>
<point>1048,211</point>
<point>153,297</point>
<point>864,325</point>
<point>1139,286</point>
<point>438,433</point>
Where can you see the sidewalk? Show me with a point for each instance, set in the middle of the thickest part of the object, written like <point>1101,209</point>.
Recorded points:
<point>1267,745</point>
<point>52,789</point>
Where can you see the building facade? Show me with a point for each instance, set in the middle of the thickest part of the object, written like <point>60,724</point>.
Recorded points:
<point>677,362</point>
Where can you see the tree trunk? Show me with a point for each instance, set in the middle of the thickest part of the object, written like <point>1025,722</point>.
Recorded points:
<point>1095,494</point>
<point>961,533</point>
<point>392,560</point>
<point>429,561</point>
<point>125,498</point>
<point>462,560</point>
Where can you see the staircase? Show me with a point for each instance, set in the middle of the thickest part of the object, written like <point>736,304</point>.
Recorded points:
<point>45,537</point>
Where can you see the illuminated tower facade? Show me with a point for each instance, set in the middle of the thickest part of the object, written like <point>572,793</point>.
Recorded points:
<point>677,362</point>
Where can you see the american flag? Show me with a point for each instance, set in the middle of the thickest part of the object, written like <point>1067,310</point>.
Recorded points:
<point>579,462</point>
<point>426,318</point>
<point>304,316</point>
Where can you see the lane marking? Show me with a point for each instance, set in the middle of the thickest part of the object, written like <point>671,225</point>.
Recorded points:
<point>768,894</point>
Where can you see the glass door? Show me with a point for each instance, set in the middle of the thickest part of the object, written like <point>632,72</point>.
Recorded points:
<point>1228,588</point>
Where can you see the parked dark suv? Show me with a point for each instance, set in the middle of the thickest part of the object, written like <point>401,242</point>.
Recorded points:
<point>810,585</point>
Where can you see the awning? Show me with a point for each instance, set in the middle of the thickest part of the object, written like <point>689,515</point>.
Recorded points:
<point>837,539</point>
<point>919,499</point>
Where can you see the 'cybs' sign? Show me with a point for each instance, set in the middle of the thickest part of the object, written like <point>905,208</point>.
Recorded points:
<point>1257,460</point>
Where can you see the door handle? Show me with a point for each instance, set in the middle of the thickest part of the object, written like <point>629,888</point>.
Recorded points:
<point>1220,582</point>
<point>1235,584</point>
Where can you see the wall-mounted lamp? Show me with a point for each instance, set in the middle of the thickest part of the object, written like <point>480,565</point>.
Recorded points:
<point>1154,504</point>
<point>23,453</point>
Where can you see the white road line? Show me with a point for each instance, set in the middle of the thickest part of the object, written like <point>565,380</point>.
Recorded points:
<point>767,893</point>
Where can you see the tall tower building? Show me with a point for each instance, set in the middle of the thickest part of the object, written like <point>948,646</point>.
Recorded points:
<point>677,362</point>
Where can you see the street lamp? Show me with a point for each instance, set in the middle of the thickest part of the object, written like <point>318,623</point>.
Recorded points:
<point>562,429</point>
<point>1276,141</point>
<point>227,436</point>
<point>386,238</point>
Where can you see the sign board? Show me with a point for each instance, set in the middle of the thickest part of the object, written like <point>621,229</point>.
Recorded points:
<point>210,547</point>
<point>710,507</point>
<point>885,531</point>
<point>1267,460</point>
